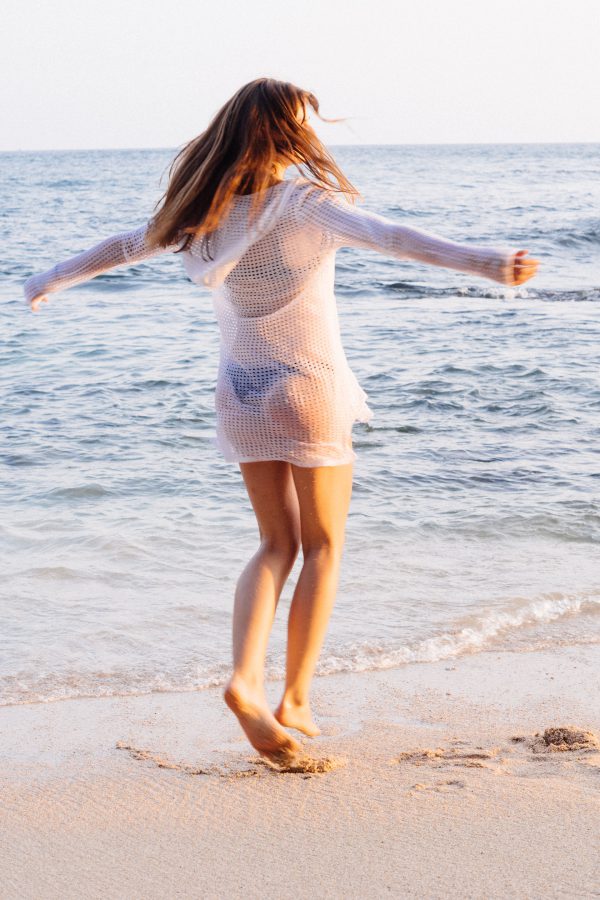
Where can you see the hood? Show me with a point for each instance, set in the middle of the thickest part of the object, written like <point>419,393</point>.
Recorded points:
<point>232,242</point>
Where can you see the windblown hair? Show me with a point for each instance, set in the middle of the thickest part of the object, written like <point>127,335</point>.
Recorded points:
<point>263,123</point>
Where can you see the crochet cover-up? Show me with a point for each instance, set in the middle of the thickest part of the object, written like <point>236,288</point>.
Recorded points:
<point>284,388</point>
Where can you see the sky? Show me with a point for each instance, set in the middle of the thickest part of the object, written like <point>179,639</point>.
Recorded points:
<point>80,74</point>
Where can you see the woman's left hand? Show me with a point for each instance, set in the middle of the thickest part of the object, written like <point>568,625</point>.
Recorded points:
<point>524,267</point>
<point>35,304</point>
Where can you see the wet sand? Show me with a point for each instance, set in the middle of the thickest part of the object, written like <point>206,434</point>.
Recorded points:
<point>433,780</point>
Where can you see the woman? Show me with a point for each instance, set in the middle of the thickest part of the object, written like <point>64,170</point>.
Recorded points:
<point>286,398</point>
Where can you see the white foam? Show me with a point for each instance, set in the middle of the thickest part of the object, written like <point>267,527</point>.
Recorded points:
<point>476,636</point>
<point>473,635</point>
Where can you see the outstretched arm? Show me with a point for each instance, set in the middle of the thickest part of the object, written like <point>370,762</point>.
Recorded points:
<point>126,247</point>
<point>349,226</point>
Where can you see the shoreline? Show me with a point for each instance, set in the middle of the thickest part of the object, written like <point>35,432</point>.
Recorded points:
<point>425,792</point>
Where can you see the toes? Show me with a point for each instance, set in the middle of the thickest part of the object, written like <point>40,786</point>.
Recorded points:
<point>300,723</point>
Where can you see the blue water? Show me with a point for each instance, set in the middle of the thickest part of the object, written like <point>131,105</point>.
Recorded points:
<point>475,518</point>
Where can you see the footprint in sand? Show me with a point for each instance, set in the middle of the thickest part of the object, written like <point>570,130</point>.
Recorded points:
<point>561,739</point>
<point>305,765</point>
<point>163,762</point>
<point>578,745</point>
<point>302,765</point>
<point>441,787</point>
<point>453,756</point>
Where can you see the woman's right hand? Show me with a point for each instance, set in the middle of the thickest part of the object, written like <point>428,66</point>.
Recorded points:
<point>33,290</point>
<point>523,268</point>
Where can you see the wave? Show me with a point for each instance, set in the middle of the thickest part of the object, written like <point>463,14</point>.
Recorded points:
<point>90,491</point>
<point>20,689</point>
<point>474,634</point>
<point>591,295</point>
<point>413,213</point>
<point>582,238</point>
<point>416,291</point>
<point>419,291</point>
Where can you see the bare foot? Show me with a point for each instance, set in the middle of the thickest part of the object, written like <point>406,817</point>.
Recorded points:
<point>299,717</point>
<point>260,726</point>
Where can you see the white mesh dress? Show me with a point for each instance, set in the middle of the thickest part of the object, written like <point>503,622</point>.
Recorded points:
<point>284,388</point>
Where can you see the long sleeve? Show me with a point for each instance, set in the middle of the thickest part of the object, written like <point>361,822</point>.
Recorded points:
<point>126,247</point>
<point>348,226</point>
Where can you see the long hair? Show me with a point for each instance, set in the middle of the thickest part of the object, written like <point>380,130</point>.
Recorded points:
<point>263,123</point>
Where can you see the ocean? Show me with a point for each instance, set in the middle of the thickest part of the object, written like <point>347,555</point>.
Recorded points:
<point>475,516</point>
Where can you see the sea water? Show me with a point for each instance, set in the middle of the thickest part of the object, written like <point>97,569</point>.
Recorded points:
<point>475,517</point>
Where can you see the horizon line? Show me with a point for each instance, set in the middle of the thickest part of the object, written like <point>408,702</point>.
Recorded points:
<point>333,146</point>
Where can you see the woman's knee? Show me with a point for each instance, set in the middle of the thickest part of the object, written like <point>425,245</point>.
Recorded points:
<point>324,497</point>
<point>284,546</point>
<point>326,545</point>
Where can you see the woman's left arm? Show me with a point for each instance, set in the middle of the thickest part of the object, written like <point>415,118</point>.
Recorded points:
<point>118,250</point>
<point>350,226</point>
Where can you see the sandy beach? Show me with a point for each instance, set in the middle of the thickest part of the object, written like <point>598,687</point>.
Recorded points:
<point>431,780</point>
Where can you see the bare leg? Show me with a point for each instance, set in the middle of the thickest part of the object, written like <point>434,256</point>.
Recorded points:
<point>273,496</point>
<point>324,496</point>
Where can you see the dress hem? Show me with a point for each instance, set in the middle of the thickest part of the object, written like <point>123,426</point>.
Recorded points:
<point>363,414</point>
<point>316,464</point>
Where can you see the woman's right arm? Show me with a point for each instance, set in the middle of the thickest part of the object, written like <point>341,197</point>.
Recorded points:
<point>123,248</point>
<point>349,226</point>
